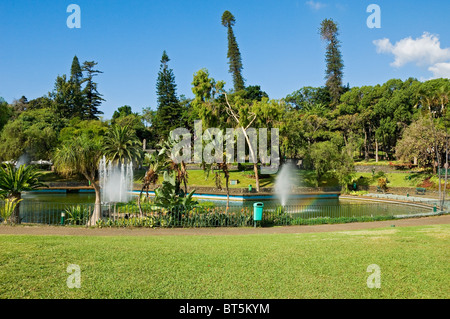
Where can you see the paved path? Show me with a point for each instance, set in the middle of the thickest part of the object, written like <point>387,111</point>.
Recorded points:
<point>413,199</point>
<point>220,231</point>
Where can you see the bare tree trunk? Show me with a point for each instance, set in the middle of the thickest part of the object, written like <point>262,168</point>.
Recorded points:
<point>255,169</point>
<point>440,184</point>
<point>376,151</point>
<point>228,191</point>
<point>366,146</point>
<point>437,163</point>
<point>139,202</point>
<point>252,153</point>
<point>15,216</point>
<point>96,215</point>
<point>446,173</point>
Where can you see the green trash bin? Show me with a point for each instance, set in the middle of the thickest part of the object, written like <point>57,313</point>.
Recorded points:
<point>257,211</point>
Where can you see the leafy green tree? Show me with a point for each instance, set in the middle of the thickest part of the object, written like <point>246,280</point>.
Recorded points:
<point>186,107</point>
<point>14,181</point>
<point>269,113</point>
<point>65,102</point>
<point>333,57</point>
<point>292,135</point>
<point>77,127</point>
<point>125,117</point>
<point>392,113</point>
<point>122,112</point>
<point>43,102</point>
<point>169,108</point>
<point>122,145</point>
<point>205,105</point>
<point>34,131</point>
<point>5,113</point>
<point>148,116</point>
<point>361,101</point>
<point>344,169</point>
<point>307,96</point>
<point>322,157</point>
<point>254,93</point>
<point>315,128</point>
<point>419,140</point>
<point>19,106</point>
<point>233,55</point>
<point>347,124</point>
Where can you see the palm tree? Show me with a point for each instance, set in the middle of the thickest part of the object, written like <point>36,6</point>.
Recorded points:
<point>162,162</point>
<point>157,163</point>
<point>215,168</point>
<point>14,181</point>
<point>122,144</point>
<point>82,155</point>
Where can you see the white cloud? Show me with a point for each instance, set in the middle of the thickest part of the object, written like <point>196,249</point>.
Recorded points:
<point>423,51</point>
<point>440,70</point>
<point>315,5</point>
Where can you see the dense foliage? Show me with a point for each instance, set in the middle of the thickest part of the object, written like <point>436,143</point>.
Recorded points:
<point>327,127</point>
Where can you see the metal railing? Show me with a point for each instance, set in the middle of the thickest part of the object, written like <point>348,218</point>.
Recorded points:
<point>124,215</point>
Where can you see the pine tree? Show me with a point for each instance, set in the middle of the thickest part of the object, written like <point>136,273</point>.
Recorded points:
<point>76,76</point>
<point>333,58</point>
<point>233,55</point>
<point>76,73</point>
<point>62,97</point>
<point>168,114</point>
<point>92,98</point>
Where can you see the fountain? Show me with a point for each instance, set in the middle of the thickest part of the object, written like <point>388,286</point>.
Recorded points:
<point>284,182</point>
<point>116,181</point>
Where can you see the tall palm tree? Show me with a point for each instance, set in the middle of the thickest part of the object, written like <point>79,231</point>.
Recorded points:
<point>14,181</point>
<point>157,163</point>
<point>215,168</point>
<point>82,155</point>
<point>121,144</point>
<point>160,162</point>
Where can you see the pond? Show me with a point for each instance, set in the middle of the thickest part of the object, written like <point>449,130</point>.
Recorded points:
<point>46,206</point>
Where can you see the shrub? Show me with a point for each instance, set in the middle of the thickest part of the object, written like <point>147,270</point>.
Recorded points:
<point>382,183</point>
<point>8,208</point>
<point>76,215</point>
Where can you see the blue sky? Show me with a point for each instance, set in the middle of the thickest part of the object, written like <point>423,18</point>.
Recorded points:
<point>279,43</point>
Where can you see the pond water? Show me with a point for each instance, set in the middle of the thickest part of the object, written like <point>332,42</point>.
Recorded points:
<point>55,202</point>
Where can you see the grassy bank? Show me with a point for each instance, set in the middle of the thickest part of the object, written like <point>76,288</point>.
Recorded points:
<point>413,263</point>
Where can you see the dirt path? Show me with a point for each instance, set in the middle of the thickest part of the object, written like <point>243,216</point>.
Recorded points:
<point>219,231</point>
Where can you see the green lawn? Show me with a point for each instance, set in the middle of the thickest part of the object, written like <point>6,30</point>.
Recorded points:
<point>198,178</point>
<point>395,179</point>
<point>414,263</point>
<point>380,162</point>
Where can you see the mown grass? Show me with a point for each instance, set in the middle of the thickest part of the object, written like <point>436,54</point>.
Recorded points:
<point>413,263</point>
<point>199,178</point>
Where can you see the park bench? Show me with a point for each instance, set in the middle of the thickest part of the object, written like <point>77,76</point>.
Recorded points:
<point>420,191</point>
